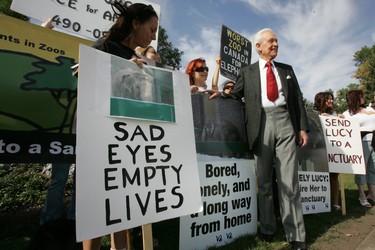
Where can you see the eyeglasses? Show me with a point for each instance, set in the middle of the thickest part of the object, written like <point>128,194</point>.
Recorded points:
<point>229,87</point>
<point>201,69</point>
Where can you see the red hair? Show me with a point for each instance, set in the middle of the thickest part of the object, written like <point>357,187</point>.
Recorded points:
<point>192,65</point>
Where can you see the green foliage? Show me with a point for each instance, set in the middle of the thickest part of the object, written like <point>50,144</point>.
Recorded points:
<point>5,8</point>
<point>168,54</point>
<point>365,73</point>
<point>309,105</point>
<point>22,187</point>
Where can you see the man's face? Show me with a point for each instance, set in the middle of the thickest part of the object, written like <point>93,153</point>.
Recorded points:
<point>268,46</point>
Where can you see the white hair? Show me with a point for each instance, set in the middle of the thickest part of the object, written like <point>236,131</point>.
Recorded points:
<point>259,36</point>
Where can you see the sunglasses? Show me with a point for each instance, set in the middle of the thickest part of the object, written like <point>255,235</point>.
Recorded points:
<point>201,69</point>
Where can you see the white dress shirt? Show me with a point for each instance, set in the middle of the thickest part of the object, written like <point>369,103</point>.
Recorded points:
<point>263,88</point>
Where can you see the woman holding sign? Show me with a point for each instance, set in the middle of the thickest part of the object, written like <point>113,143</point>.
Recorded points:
<point>135,26</point>
<point>366,118</point>
<point>198,72</point>
<point>323,104</point>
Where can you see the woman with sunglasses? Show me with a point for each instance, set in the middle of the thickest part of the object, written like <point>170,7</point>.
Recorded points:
<point>136,25</point>
<point>198,72</point>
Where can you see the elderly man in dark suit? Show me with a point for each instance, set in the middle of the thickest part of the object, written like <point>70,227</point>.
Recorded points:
<point>276,124</point>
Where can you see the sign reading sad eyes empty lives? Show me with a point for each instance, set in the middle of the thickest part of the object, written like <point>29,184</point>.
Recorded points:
<point>132,168</point>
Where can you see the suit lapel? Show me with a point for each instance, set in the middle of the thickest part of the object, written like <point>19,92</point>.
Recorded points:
<point>255,78</point>
<point>283,74</point>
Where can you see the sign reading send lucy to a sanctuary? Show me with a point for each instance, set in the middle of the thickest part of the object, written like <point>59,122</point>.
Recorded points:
<point>85,18</point>
<point>132,170</point>
<point>344,145</point>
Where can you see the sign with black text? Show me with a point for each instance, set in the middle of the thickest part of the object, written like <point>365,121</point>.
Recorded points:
<point>344,145</point>
<point>235,52</point>
<point>85,18</point>
<point>38,94</point>
<point>131,171</point>
<point>315,192</point>
<point>228,190</point>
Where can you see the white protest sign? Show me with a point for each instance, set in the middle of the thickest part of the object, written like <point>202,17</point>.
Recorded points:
<point>228,190</point>
<point>131,172</point>
<point>344,145</point>
<point>315,192</point>
<point>85,18</point>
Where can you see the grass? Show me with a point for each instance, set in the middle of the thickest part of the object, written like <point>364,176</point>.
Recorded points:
<point>23,192</point>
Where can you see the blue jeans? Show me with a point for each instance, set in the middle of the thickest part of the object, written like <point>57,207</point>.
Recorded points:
<point>369,157</point>
<point>54,207</point>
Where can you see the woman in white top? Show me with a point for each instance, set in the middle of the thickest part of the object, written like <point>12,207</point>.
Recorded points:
<point>366,118</point>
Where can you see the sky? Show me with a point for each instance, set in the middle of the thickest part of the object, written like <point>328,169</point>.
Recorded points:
<point>317,37</point>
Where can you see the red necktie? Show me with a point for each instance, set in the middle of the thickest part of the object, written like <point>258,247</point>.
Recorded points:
<point>272,91</point>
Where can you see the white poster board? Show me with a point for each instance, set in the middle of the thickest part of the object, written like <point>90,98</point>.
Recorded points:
<point>84,18</point>
<point>130,171</point>
<point>315,192</point>
<point>228,189</point>
<point>343,144</point>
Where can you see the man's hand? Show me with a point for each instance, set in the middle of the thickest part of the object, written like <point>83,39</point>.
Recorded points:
<point>303,138</point>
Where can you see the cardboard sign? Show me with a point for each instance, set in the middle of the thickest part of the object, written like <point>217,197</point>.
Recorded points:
<point>228,190</point>
<point>85,18</point>
<point>130,171</point>
<point>235,52</point>
<point>344,145</point>
<point>38,94</point>
<point>315,192</point>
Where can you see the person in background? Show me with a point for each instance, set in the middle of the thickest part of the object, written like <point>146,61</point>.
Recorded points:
<point>323,105</point>
<point>278,124</point>
<point>197,71</point>
<point>54,206</point>
<point>228,86</point>
<point>151,54</point>
<point>366,119</point>
<point>135,26</point>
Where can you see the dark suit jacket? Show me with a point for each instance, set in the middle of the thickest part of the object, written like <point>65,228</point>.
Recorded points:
<point>248,86</point>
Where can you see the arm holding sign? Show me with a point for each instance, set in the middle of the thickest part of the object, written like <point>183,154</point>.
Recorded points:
<point>215,78</point>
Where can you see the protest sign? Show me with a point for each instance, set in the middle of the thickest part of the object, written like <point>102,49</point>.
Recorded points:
<point>344,145</point>
<point>228,190</point>
<point>315,192</point>
<point>235,52</point>
<point>131,171</point>
<point>84,18</point>
<point>38,93</point>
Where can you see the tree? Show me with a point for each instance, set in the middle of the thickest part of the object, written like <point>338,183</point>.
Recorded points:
<point>5,8</point>
<point>365,73</point>
<point>168,54</point>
